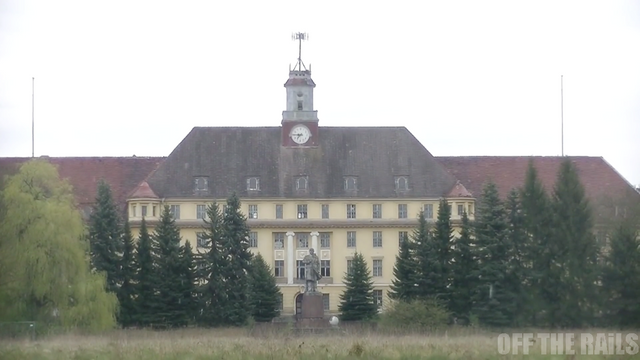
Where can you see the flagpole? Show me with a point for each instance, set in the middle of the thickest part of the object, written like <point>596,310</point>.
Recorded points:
<point>32,117</point>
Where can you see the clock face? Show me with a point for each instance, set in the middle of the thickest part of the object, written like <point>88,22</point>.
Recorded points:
<point>300,134</point>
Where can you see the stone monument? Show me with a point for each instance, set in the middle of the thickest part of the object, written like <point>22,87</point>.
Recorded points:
<point>312,307</point>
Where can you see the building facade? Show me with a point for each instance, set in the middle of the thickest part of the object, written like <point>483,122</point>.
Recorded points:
<point>337,190</point>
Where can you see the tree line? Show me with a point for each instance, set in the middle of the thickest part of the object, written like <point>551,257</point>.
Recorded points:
<point>530,260</point>
<point>160,282</point>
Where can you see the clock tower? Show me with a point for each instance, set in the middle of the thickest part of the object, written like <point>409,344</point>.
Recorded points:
<point>299,120</point>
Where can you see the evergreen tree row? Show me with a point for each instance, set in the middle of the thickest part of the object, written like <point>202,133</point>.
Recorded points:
<point>530,260</point>
<point>161,283</point>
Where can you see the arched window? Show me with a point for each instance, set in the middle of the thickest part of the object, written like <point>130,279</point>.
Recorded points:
<point>402,183</point>
<point>301,183</point>
<point>253,183</point>
<point>350,183</point>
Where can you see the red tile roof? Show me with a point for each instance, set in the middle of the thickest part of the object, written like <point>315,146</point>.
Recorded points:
<point>599,178</point>
<point>459,191</point>
<point>142,191</point>
<point>84,173</point>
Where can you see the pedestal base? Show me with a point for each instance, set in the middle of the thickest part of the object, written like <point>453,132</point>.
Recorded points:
<point>312,306</point>
<point>312,314</point>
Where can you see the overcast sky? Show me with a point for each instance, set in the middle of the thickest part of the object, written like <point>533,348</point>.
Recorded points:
<point>118,78</point>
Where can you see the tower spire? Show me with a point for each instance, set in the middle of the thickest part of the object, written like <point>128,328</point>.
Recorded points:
<point>300,36</point>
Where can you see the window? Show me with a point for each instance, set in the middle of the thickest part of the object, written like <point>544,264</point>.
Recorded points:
<point>253,239</point>
<point>303,240</point>
<point>351,239</point>
<point>278,241</point>
<point>153,210</point>
<point>460,209</point>
<point>470,209</point>
<point>301,183</point>
<point>402,236</point>
<point>325,268</point>
<point>402,211</point>
<point>253,183</point>
<point>278,211</point>
<point>253,211</point>
<point>299,269</point>
<point>349,266</point>
<point>225,207</point>
<point>133,211</point>
<point>377,239</point>
<point>299,105</point>
<point>377,267</point>
<point>325,240</point>
<point>278,268</point>
<point>144,210</point>
<point>201,242</point>
<point>350,183</point>
<point>377,211</point>
<point>351,211</point>
<point>302,211</point>
<point>280,302</point>
<point>325,211</point>
<point>377,297</point>
<point>428,211</point>
<point>175,211</point>
<point>200,183</point>
<point>325,302</point>
<point>402,183</point>
<point>201,211</point>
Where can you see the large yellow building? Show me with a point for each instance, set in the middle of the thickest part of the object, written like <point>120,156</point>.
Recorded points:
<point>335,189</point>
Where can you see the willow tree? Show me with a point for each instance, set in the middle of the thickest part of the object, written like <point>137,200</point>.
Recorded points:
<point>48,277</point>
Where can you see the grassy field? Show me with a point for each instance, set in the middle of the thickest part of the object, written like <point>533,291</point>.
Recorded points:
<point>239,344</point>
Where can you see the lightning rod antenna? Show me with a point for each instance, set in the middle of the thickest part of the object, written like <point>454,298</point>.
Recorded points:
<point>300,36</point>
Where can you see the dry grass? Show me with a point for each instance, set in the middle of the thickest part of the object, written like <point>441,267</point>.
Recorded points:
<point>238,344</point>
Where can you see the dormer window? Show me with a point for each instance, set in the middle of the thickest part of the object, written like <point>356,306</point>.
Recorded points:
<point>253,183</point>
<point>301,183</point>
<point>402,184</point>
<point>350,183</point>
<point>201,183</point>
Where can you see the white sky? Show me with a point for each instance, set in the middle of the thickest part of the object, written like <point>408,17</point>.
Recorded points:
<point>117,78</point>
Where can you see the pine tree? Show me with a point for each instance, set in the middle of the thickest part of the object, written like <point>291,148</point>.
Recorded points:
<point>105,237</point>
<point>189,300</point>
<point>621,277</point>
<point>404,283</point>
<point>494,299</point>
<point>576,253</point>
<point>146,279</point>
<point>213,300</point>
<point>538,255</point>
<point>235,236</point>
<point>518,270</point>
<point>464,274</point>
<point>127,290</point>
<point>265,294</point>
<point>167,249</point>
<point>357,302</point>
<point>442,237</point>
<point>426,259</point>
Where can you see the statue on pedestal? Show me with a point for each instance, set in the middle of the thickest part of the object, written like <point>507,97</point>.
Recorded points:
<point>311,272</point>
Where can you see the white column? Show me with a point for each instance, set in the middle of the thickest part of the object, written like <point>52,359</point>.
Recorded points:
<point>290,258</point>
<point>314,241</point>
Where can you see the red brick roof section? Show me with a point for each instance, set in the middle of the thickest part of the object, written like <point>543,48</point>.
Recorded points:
<point>459,191</point>
<point>121,173</point>
<point>143,191</point>
<point>599,178</point>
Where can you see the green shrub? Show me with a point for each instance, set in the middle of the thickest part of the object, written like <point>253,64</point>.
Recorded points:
<point>415,315</point>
